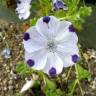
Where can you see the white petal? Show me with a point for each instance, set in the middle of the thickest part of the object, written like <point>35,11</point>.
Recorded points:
<point>24,15</point>
<point>36,41</point>
<point>48,29</point>
<point>70,37</point>
<point>53,61</point>
<point>68,48</point>
<point>27,85</point>
<point>63,30</point>
<point>25,1</point>
<point>68,44</point>
<point>23,8</point>
<point>67,59</point>
<point>30,46</point>
<point>39,58</point>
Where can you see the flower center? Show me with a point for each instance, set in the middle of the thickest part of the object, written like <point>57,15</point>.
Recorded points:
<point>51,46</point>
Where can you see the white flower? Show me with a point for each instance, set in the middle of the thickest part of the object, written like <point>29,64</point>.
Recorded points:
<point>23,9</point>
<point>27,86</point>
<point>51,45</point>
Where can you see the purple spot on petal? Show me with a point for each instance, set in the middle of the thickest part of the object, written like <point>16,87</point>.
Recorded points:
<point>75,58</point>
<point>52,71</point>
<point>71,28</point>
<point>46,19</point>
<point>30,62</point>
<point>26,36</point>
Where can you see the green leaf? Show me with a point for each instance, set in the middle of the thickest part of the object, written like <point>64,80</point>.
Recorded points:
<point>71,87</point>
<point>45,1</point>
<point>23,69</point>
<point>59,92</point>
<point>49,84</point>
<point>82,73</point>
<point>49,88</point>
<point>56,92</point>
<point>76,13</point>
<point>33,21</point>
<point>85,11</point>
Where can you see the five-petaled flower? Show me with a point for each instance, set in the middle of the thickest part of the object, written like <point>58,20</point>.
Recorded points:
<point>51,45</point>
<point>23,8</point>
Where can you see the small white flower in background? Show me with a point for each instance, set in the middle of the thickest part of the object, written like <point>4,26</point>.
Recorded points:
<point>59,4</point>
<point>51,45</point>
<point>6,53</point>
<point>27,85</point>
<point>23,9</point>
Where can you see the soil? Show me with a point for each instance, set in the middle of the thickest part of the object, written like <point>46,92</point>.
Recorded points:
<point>11,83</point>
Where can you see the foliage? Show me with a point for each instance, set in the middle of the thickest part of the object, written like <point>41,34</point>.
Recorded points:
<point>23,69</point>
<point>76,11</point>
<point>71,87</point>
<point>49,86</point>
<point>82,73</point>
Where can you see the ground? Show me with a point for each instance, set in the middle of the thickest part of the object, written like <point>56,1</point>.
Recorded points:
<point>11,83</point>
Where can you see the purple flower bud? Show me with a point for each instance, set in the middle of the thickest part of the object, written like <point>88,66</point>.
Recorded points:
<point>58,4</point>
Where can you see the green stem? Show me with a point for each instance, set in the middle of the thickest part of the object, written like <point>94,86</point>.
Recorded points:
<point>76,69</point>
<point>43,10</point>
<point>77,76</point>
<point>71,94</point>
<point>64,18</point>
<point>68,73</point>
<point>80,88</point>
